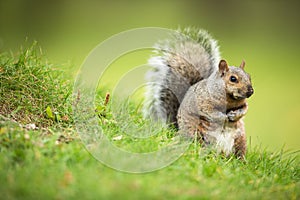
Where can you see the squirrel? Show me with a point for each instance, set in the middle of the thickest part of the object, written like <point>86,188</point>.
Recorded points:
<point>193,89</point>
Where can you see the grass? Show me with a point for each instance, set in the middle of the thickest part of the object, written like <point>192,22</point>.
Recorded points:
<point>30,86</point>
<point>51,162</point>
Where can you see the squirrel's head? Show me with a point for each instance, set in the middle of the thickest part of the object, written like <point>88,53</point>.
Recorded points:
<point>237,81</point>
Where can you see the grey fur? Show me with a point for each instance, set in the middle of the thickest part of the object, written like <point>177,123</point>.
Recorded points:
<point>188,57</point>
<point>190,88</point>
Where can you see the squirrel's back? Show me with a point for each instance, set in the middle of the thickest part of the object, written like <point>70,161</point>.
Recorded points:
<point>188,57</point>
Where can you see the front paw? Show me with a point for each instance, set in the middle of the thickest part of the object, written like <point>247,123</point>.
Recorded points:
<point>234,116</point>
<point>231,116</point>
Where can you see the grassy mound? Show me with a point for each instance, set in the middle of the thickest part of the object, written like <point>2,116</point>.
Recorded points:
<point>32,90</point>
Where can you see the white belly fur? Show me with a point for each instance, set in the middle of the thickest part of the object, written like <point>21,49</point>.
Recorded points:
<point>224,138</point>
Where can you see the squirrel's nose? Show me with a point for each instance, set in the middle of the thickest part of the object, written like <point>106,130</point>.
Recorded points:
<point>250,91</point>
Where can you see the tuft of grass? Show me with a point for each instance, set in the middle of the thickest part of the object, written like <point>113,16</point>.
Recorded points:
<point>126,128</point>
<point>32,90</point>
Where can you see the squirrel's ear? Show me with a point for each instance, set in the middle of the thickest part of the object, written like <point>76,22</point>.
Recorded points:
<point>242,64</point>
<point>223,67</point>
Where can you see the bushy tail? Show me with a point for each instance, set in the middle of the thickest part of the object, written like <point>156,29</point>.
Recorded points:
<point>189,56</point>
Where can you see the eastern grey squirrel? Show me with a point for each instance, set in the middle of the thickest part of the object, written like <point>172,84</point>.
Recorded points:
<point>193,89</point>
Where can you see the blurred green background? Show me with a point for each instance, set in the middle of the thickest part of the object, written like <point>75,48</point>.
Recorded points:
<point>264,33</point>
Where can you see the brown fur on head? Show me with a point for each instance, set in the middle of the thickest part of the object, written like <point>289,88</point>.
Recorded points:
<point>237,81</point>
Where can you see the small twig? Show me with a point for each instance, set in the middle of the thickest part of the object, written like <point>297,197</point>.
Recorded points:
<point>107,98</point>
<point>77,98</point>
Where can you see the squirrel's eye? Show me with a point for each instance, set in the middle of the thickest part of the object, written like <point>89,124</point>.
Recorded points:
<point>233,79</point>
